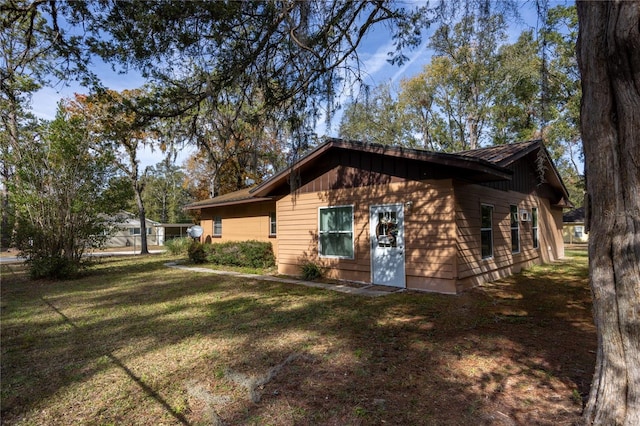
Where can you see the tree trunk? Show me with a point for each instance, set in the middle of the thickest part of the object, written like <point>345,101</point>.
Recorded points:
<point>609,60</point>
<point>142,216</point>
<point>11,148</point>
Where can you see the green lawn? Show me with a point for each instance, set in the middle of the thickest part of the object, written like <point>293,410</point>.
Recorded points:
<point>135,342</point>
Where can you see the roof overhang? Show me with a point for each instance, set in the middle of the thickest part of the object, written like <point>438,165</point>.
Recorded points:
<point>557,182</point>
<point>230,202</point>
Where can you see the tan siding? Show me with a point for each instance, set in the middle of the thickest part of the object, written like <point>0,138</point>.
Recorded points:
<point>442,231</point>
<point>473,270</point>
<point>568,233</point>
<point>551,243</point>
<point>239,223</point>
<point>429,231</point>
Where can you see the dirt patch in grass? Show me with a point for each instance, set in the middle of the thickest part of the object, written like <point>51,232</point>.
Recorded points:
<point>134,342</point>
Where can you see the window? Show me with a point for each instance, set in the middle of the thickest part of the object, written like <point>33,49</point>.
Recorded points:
<point>136,231</point>
<point>578,231</point>
<point>486,231</point>
<point>387,229</point>
<point>336,232</point>
<point>217,226</point>
<point>272,224</point>
<point>534,227</point>
<point>515,230</point>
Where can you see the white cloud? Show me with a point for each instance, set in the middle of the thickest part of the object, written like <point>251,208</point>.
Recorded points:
<point>414,65</point>
<point>377,62</point>
<point>44,102</point>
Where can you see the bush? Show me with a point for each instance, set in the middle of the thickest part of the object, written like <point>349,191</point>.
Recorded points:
<point>54,267</point>
<point>196,252</point>
<point>252,254</point>
<point>311,271</point>
<point>177,246</point>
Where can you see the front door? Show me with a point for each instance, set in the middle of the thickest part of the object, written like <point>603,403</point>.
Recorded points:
<point>387,244</point>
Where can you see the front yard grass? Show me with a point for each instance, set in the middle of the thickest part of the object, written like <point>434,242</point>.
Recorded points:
<point>135,342</point>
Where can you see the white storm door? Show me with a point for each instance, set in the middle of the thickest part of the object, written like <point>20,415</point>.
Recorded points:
<point>387,244</point>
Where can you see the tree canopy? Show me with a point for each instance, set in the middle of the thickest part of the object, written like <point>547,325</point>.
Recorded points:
<point>61,195</point>
<point>293,53</point>
<point>480,90</point>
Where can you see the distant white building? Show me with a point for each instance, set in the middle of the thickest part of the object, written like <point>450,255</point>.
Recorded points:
<point>128,231</point>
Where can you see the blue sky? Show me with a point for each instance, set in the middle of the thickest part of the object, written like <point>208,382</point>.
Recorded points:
<point>373,55</point>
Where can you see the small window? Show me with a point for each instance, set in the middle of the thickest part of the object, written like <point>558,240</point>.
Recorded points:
<point>134,231</point>
<point>486,231</point>
<point>515,230</point>
<point>272,224</point>
<point>336,232</point>
<point>217,226</point>
<point>534,227</point>
<point>578,231</point>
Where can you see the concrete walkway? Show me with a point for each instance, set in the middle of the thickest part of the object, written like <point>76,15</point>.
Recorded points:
<point>367,290</point>
<point>15,259</point>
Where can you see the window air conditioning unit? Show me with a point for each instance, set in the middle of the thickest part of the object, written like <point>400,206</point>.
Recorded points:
<point>525,216</point>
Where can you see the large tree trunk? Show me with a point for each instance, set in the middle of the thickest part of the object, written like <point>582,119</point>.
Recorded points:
<point>609,60</point>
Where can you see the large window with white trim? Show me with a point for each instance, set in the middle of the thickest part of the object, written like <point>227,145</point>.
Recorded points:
<point>335,232</point>
<point>515,229</point>
<point>486,231</point>
<point>534,227</point>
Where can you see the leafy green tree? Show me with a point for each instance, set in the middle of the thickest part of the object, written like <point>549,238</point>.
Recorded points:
<point>448,106</point>
<point>59,192</point>
<point>417,101</point>
<point>539,96</point>
<point>118,131</point>
<point>515,114</point>
<point>464,71</point>
<point>165,194</point>
<point>25,50</point>
<point>564,94</point>
<point>377,118</point>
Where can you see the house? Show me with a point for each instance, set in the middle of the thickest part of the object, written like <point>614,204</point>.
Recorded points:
<point>573,227</point>
<point>402,217</point>
<point>127,231</point>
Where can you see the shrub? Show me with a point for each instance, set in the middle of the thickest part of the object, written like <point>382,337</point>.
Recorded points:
<point>177,246</point>
<point>258,254</point>
<point>253,254</point>
<point>53,267</point>
<point>196,252</point>
<point>311,271</point>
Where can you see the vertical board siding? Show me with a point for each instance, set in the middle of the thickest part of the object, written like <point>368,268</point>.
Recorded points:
<point>429,231</point>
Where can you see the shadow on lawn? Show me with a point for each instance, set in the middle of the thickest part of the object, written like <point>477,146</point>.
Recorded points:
<point>518,351</point>
<point>148,390</point>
